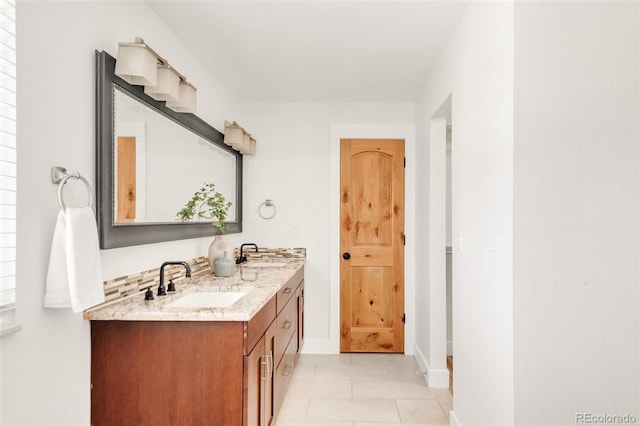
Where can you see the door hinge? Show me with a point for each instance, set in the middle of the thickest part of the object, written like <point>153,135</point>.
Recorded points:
<point>404,318</point>
<point>404,240</point>
<point>405,162</point>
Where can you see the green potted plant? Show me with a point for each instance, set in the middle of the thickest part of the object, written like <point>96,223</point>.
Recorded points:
<point>207,203</point>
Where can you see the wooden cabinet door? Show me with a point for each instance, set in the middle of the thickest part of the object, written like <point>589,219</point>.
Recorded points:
<point>254,384</point>
<point>268,405</point>
<point>259,383</point>
<point>300,294</point>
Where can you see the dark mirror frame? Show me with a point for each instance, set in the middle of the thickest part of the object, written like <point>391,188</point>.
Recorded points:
<point>123,235</point>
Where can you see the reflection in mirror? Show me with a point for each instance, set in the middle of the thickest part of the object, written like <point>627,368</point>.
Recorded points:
<point>154,176</point>
<point>150,160</point>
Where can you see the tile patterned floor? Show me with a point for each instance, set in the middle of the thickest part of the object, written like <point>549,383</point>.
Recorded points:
<point>362,390</point>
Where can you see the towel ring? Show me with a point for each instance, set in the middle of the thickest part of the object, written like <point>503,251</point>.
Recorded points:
<point>267,203</point>
<point>60,176</point>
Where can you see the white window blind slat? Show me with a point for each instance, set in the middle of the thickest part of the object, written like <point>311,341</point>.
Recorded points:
<point>8,167</point>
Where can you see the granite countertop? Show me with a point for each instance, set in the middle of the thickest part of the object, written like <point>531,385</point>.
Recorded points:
<point>259,281</point>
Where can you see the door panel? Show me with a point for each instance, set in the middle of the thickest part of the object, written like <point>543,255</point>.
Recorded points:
<point>126,180</point>
<point>372,233</point>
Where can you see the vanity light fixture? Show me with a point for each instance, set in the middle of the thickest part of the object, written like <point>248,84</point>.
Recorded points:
<point>186,101</point>
<point>252,147</point>
<point>140,65</point>
<point>137,63</point>
<point>239,139</point>
<point>246,143</point>
<point>167,87</point>
<point>233,135</point>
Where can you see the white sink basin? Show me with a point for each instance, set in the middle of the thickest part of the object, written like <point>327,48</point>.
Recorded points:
<point>265,264</point>
<point>207,299</point>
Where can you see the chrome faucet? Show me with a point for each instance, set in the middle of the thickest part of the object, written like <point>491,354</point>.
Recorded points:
<point>171,286</point>
<point>242,257</point>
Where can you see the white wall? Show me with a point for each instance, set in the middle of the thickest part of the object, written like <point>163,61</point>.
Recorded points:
<point>294,166</point>
<point>576,210</point>
<point>476,69</point>
<point>45,367</point>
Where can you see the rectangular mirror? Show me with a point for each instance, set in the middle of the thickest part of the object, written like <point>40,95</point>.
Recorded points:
<point>150,161</point>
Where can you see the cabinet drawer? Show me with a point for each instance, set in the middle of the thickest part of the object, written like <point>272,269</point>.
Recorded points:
<point>288,290</point>
<point>284,373</point>
<point>255,328</point>
<point>284,295</point>
<point>286,327</point>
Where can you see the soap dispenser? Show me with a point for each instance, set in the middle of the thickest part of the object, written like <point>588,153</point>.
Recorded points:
<point>225,267</point>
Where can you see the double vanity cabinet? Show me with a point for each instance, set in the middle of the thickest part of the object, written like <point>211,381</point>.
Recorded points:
<point>153,365</point>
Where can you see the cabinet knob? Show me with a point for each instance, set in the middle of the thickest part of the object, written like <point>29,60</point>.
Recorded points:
<point>346,255</point>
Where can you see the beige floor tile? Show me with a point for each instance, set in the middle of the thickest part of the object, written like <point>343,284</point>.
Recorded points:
<point>388,424</point>
<point>407,370</point>
<point>312,359</point>
<point>304,423</point>
<point>303,371</point>
<point>391,389</point>
<point>362,390</point>
<point>320,388</point>
<point>331,388</point>
<point>352,409</point>
<point>293,409</point>
<point>351,371</point>
<point>299,388</point>
<point>445,398</point>
<point>383,359</point>
<point>421,411</point>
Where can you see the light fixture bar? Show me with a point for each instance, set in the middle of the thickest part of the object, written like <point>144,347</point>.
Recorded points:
<point>139,64</point>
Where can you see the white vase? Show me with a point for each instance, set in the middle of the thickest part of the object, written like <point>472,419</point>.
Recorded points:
<point>218,247</point>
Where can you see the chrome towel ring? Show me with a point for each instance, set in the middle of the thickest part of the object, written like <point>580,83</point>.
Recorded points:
<point>60,176</point>
<point>267,203</point>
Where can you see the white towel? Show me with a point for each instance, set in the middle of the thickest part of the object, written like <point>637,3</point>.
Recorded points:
<point>74,278</point>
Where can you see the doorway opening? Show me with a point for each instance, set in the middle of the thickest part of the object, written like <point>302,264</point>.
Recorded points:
<point>449,257</point>
<point>441,258</point>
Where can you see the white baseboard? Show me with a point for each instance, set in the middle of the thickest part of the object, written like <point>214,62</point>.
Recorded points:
<point>318,346</point>
<point>453,419</point>
<point>422,362</point>
<point>435,378</point>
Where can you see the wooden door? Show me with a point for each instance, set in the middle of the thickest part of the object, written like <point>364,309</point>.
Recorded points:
<point>372,245</point>
<point>126,180</point>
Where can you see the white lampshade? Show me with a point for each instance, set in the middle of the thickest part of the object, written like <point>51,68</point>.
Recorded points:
<point>136,64</point>
<point>167,86</point>
<point>233,135</point>
<point>249,149</point>
<point>187,100</point>
<point>245,148</point>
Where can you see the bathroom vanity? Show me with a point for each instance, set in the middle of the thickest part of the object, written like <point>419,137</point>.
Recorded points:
<point>170,362</point>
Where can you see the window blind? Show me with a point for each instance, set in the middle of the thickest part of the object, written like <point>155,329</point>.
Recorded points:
<point>8,165</point>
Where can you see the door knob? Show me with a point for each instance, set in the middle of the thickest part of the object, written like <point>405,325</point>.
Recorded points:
<point>346,255</point>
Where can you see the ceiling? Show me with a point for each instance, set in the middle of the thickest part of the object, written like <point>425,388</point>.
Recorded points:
<point>316,51</point>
